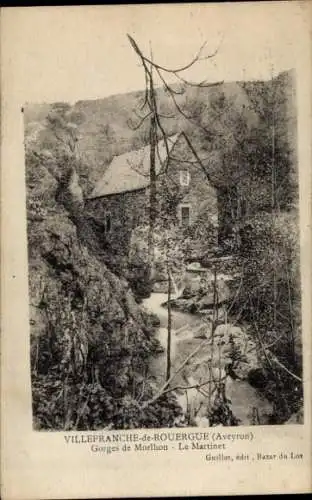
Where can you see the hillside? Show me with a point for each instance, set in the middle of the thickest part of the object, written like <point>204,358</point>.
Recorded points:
<point>92,344</point>
<point>107,127</point>
<point>90,341</point>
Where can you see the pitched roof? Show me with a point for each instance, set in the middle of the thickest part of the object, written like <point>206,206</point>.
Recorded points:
<point>130,171</point>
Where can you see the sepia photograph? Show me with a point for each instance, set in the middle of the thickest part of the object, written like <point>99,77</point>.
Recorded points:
<point>156,250</point>
<point>163,248</point>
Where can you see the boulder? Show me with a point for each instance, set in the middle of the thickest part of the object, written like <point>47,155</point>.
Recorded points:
<point>192,288</point>
<point>160,286</point>
<point>237,349</point>
<point>195,267</point>
<point>257,378</point>
<point>297,418</point>
<point>223,295</point>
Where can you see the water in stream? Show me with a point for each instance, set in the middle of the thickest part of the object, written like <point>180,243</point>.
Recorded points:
<point>244,398</point>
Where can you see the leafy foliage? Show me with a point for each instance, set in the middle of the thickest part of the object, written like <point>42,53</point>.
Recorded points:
<point>90,343</point>
<point>139,277</point>
<point>269,299</point>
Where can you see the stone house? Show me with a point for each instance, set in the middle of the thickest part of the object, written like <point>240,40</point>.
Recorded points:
<point>185,194</point>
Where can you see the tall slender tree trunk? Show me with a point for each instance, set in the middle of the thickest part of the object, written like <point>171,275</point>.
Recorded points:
<point>153,195</point>
<point>215,300</point>
<point>169,325</point>
<point>273,206</point>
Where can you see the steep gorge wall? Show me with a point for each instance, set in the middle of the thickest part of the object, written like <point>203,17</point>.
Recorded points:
<point>91,343</point>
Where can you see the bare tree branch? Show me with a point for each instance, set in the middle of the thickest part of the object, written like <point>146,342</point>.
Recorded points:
<point>136,127</point>
<point>168,382</point>
<point>198,57</point>
<point>197,386</point>
<point>274,358</point>
<point>136,168</point>
<point>197,157</point>
<point>203,84</point>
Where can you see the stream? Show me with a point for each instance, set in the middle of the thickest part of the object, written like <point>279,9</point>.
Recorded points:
<point>245,400</point>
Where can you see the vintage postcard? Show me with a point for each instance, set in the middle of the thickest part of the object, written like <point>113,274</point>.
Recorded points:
<point>156,250</point>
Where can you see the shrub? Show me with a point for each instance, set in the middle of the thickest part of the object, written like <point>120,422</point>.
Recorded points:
<point>139,278</point>
<point>269,299</point>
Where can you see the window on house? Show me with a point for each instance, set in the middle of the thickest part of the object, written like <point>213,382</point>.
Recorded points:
<point>184,177</point>
<point>185,215</point>
<point>108,223</point>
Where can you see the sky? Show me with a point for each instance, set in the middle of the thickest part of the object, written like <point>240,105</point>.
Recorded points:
<point>74,53</point>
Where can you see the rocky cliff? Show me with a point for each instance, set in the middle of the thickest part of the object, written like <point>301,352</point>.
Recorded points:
<point>90,341</point>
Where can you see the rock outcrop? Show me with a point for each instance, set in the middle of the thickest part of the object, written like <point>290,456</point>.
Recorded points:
<point>233,360</point>
<point>91,343</point>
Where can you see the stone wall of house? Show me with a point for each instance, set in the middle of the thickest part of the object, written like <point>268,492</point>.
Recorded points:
<point>126,211</point>
<point>200,195</point>
<point>131,209</point>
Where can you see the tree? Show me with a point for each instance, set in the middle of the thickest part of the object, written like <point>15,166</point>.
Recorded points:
<point>263,176</point>
<point>57,145</point>
<point>171,256</point>
<point>170,245</point>
<point>152,111</point>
